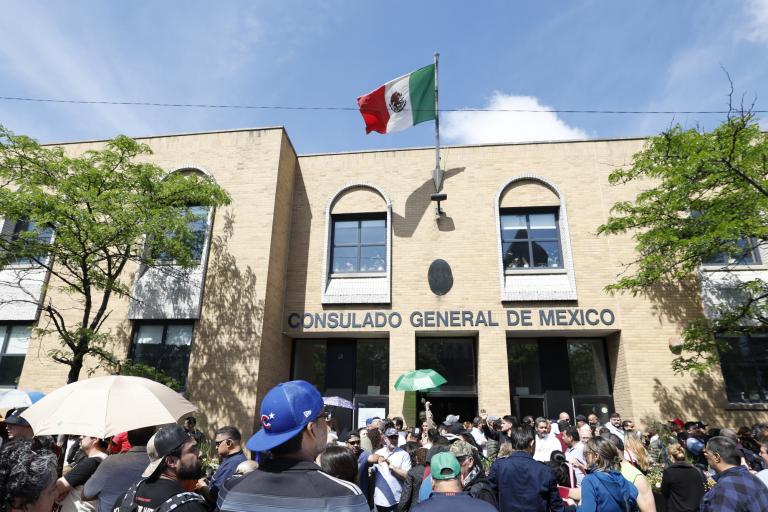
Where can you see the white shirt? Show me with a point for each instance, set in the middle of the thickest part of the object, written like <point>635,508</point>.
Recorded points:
<point>388,486</point>
<point>545,447</point>
<point>576,454</point>
<point>763,476</point>
<point>615,430</point>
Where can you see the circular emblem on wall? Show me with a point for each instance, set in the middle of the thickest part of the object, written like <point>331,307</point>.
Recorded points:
<point>397,102</point>
<point>440,277</point>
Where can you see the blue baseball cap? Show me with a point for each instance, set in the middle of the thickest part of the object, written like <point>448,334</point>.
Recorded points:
<point>285,411</point>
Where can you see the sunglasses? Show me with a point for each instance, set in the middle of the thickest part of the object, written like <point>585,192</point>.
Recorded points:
<point>353,442</point>
<point>217,443</point>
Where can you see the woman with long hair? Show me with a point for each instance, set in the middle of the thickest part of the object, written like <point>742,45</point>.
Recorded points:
<point>339,462</point>
<point>682,483</point>
<point>69,488</point>
<point>604,489</point>
<point>645,500</point>
<point>635,452</point>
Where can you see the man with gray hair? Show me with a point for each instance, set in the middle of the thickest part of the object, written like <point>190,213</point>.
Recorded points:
<point>546,443</point>
<point>737,489</point>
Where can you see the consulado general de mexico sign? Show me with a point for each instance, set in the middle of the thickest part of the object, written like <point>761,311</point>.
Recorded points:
<point>549,317</point>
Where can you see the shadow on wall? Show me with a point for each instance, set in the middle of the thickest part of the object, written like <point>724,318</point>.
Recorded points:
<point>224,362</point>
<point>694,401</point>
<point>678,301</point>
<point>416,205</point>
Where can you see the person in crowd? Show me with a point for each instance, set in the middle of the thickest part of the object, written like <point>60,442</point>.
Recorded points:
<point>492,446</point>
<point>635,452</point>
<point>118,472</point>
<point>694,441</point>
<point>473,479</point>
<point>604,489</point>
<point>736,489</point>
<point>505,451</point>
<point>361,456</point>
<point>69,488</point>
<point>119,443</point>
<point>564,416</point>
<point>429,438</point>
<point>562,425</point>
<point>574,453</point>
<point>441,445</point>
<point>528,421</point>
<point>333,430</point>
<point>400,427</point>
<point>585,433</point>
<point>627,426</point>
<point>447,491</point>
<point>604,432</point>
<point>173,457</point>
<point>391,465</point>
<point>645,499</point>
<point>339,462</point>
<point>230,452</point>
<point>594,423</point>
<point>760,430</point>
<point>614,425</point>
<point>27,477</point>
<point>580,420</point>
<point>659,440</point>
<point>410,495</point>
<point>477,433</point>
<point>747,440</point>
<point>190,425</point>
<point>520,482</point>
<point>750,458</point>
<point>682,483</point>
<point>17,426</point>
<point>763,474</point>
<point>545,442</point>
<point>294,432</point>
<point>413,435</point>
<point>507,423</point>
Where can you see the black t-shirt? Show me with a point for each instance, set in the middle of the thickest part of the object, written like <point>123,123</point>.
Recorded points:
<point>82,471</point>
<point>152,495</point>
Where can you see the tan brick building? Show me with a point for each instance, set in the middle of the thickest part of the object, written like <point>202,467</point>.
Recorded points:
<point>320,269</point>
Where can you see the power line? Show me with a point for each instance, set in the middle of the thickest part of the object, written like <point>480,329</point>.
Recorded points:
<point>283,107</point>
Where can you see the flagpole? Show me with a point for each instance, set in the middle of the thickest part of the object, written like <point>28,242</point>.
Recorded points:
<point>437,175</point>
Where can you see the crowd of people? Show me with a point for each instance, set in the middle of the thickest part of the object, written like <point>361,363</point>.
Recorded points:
<point>299,460</point>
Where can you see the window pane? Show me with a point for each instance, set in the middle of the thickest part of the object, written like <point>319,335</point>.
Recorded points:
<point>453,358</point>
<point>309,362</point>
<point>179,335</point>
<point>373,231</point>
<point>372,372</point>
<point>546,254</point>
<point>748,257</point>
<point>345,232</point>
<point>543,225</point>
<point>345,259</point>
<point>589,375</point>
<point>175,362</point>
<point>523,365</point>
<point>745,369</point>
<point>18,341</point>
<point>516,255</point>
<point>10,370</point>
<point>373,259</point>
<point>149,334</point>
<point>199,227</point>
<point>513,227</point>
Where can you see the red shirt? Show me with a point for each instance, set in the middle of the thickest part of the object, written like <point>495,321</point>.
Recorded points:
<point>120,443</point>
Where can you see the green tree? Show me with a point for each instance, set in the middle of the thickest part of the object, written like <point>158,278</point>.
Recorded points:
<point>84,219</point>
<point>707,199</point>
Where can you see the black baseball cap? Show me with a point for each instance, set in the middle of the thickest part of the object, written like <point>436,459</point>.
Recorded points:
<point>163,443</point>
<point>15,418</point>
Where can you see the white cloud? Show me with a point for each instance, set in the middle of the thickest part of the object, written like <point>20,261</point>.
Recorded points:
<point>491,127</point>
<point>757,26</point>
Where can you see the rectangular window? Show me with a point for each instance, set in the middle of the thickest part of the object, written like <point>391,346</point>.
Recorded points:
<point>749,256</point>
<point>359,245</point>
<point>530,239</point>
<point>453,358</point>
<point>589,375</point>
<point>165,346</point>
<point>14,341</point>
<point>28,233</point>
<point>523,366</point>
<point>198,226</point>
<point>745,368</point>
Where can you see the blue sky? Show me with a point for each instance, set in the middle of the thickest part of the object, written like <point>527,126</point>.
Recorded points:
<point>620,55</point>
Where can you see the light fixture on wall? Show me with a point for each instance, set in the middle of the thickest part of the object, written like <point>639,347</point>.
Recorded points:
<point>437,198</point>
<point>675,345</point>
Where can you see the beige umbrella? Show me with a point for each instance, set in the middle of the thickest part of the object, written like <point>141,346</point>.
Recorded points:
<point>104,406</point>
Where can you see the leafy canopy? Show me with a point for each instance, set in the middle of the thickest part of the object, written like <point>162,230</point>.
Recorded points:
<point>707,196</point>
<point>100,207</point>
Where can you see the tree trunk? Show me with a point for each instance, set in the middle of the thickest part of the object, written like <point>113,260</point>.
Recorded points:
<point>74,368</point>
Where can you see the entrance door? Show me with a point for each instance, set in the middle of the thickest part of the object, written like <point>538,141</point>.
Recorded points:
<point>454,359</point>
<point>340,377</point>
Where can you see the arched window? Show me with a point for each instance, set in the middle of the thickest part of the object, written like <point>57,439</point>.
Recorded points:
<point>358,246</point>
<point>535,261</point>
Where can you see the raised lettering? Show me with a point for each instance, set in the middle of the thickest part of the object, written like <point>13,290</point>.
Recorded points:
<point>480,320</point>
<point>547,317</point>
<point>294,320</point>
<point>607,313</point>
<point>333,320</point>
<point>466,317</point>
<point>306,320</point>
<point>417,320</point>
<point>513,318</point>
<point>349,320</point>
<point>368,320</point>
<point>575,317</point>
<point>525,318</point>
<point>442,318</point>
<point>490,320</point>
<point>455,319</point>
<point>393,317</point>
<point>592,321</point>
<point>320,320</point>
<point>381,319</point>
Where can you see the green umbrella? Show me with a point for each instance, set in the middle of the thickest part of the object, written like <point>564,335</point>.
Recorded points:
<point>419,380</point>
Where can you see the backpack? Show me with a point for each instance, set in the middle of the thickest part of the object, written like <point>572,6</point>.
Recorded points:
<point>128,504</point>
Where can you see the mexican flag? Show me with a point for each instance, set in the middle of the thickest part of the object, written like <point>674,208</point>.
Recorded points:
<point>401,103</point>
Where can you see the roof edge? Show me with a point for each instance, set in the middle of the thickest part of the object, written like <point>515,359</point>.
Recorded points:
<point>181,134</point>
